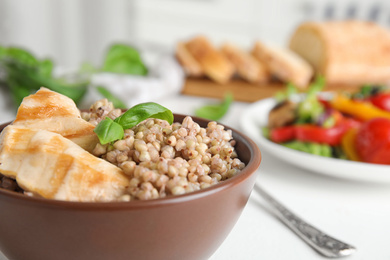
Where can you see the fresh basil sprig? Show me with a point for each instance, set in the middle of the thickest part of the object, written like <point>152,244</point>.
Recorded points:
<point>109,130</point>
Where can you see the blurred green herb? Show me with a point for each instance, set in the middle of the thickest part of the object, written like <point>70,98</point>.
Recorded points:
<point>368,91</point>
<point>88,69</point>
<point>23,74</point>
<point>109,130</point>
<point>308,147</point>
<point>111,97</point>
<point>266,132</point>
<point>124,59</point>
<point>281,96</point>
<point>215,111</point>
<point>310,108</point>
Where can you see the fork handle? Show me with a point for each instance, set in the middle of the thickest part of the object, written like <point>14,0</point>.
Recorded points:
<point>321,242</point>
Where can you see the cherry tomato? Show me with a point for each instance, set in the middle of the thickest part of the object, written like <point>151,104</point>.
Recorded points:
<point>373,141</point>
<point>381,100</point>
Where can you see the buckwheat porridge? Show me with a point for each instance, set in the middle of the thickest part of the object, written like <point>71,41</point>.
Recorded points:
<point>163,159</point>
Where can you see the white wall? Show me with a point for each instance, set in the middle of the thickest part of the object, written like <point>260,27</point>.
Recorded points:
<point>72,31</point>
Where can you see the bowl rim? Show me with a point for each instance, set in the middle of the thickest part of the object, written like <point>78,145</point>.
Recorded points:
<point>250,168</point>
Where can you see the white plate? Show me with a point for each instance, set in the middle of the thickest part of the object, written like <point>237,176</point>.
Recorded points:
<point>255,117</point>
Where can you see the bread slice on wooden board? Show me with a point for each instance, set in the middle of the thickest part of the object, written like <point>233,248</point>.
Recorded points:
<point>247,66</point>
<point>187,61</point>
<point>214,64</point>
<point>284,64</point>
<point>345,52</point>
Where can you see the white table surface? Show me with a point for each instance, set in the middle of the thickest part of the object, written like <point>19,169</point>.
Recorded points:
<point>354,212</point>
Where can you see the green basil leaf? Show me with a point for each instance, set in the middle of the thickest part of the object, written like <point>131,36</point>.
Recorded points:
<point>21,55</point>
<point>215,111</point>
<point>109,131</point>
<point>140,112</point>
<point>124,59</point>
<point>107,94</point>
<point>46,67</point>
<point>3,52</point>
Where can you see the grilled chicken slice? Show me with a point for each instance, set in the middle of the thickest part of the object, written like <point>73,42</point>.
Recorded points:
<point>51,111</point>
<point>51,166</point>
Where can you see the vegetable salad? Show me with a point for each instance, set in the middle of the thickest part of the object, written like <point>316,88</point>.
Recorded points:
<point>353,126</point>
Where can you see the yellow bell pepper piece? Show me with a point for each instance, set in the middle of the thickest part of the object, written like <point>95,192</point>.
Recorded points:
<point>348,144</point>
<point>362,110</point>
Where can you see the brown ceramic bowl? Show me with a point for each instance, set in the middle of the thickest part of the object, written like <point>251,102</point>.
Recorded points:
<point>189,226</point>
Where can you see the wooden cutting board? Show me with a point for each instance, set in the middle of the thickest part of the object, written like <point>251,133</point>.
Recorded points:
<point>242,90</point>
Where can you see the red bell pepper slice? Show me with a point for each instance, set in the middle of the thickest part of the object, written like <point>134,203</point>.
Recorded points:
<point>316,134</point>
<point>282,134</point>
<point>313,133</point>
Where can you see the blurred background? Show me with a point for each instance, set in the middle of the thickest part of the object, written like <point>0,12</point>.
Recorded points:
<point>74,31</point>
<point>71,32</point>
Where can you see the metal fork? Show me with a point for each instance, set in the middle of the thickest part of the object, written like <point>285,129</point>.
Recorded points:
<point>321,242</point>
